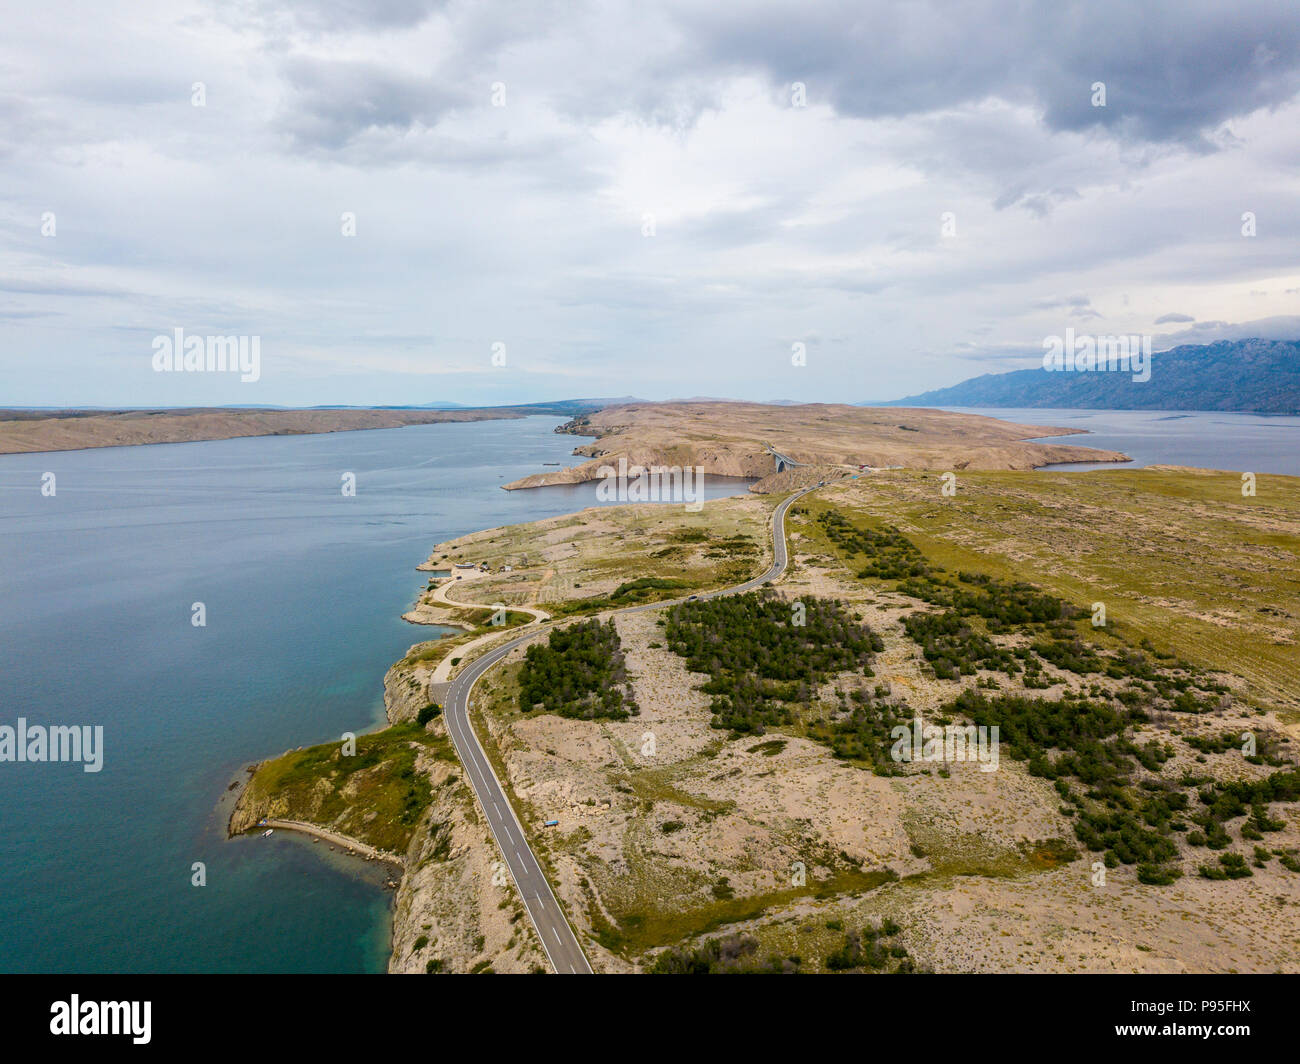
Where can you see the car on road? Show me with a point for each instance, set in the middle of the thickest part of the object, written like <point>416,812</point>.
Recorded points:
<point>692,598</point>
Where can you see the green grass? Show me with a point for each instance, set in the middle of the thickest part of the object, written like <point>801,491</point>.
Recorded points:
<point>1167,552</point>
<point>375,796</point>
<point>646,925</point>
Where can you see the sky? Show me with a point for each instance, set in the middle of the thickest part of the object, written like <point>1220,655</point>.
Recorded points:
<point>830,202</point>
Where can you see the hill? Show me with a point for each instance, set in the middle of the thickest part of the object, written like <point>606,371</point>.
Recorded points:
<point>736,439</point>
<point>1248,376</point>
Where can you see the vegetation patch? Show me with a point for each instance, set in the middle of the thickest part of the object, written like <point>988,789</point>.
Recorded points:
<point>645,589</point>
<point>375,795</point>
<point>1111,784</point>
<point>760,659</point>
<point>873,949</point>
<point>579,673</point>
<point>731,955</point>
<point>1112,787</point>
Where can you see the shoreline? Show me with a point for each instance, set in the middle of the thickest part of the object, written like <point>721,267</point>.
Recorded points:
<point>403,866</point>
<point>351,846</point>
<point>140,428</point>
<point>411,904</point>
<point>815,436</point>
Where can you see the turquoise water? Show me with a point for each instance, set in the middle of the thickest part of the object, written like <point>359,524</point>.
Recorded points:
<point>304,591</point>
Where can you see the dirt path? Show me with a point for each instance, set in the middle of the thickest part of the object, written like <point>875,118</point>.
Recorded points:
<point>443,672</point>
<point>348,843</point>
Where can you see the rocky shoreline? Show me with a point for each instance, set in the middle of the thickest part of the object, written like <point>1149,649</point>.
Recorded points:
<point>453,910</point>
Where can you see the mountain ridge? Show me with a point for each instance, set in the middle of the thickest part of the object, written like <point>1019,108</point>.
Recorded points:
<point>1241,376</point>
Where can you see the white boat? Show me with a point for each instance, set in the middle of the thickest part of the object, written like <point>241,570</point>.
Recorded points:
<point>267,832</point>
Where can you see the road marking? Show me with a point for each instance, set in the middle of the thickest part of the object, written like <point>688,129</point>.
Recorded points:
<point>461,730</point>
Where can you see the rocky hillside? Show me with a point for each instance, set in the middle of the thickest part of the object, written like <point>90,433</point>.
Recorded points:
<point>1254,376</point>
<point>728,439</point>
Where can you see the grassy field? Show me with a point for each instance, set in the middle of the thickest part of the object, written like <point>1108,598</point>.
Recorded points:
<point>376,795</point>
<point>1177,557</point>
<point>598,557</point>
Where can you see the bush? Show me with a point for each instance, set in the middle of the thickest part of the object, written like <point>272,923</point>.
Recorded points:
<point>735,953</point>
<point>578,673</point>
<point>758,660</point>
<point>1157,875</point>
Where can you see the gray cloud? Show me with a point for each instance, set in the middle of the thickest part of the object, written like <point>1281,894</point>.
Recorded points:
<point>1171,71</point>
<point>335,15</point>
<point>334,102</point>
<point>521,224</point>
<point>1281,327</point>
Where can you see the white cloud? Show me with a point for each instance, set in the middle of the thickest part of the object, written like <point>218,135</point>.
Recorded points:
<point>523,224</point>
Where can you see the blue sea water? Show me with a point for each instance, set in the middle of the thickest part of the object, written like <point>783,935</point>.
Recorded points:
<point>1256,443</point>
<point>303,590</point>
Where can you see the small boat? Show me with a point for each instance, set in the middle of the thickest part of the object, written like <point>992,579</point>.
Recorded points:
<point>267,832</point>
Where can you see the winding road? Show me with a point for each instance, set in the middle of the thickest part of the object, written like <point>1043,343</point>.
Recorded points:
<point>558,938</point>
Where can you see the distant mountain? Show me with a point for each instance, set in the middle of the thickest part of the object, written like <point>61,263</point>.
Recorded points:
<point>567,407</point>
<point>1250,376</point>
<point>572,407</point>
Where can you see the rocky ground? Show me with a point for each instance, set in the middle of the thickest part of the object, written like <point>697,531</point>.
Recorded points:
<point>732,440</point>
<point>74,430</point>
<point>457,905</point>
<point>669,830</point>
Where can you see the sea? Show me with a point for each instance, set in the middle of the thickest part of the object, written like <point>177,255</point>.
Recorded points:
<point>301,588</point>
<point>1254,443</point>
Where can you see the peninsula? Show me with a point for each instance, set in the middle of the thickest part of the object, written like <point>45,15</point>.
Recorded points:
<point>726,439</point>
<point>699,784</point>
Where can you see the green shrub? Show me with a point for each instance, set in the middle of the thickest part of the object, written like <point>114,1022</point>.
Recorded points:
<point>578,673</point>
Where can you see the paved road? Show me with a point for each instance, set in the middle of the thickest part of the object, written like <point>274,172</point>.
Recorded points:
<point>789,462</point>
<point>443,670</point>
<point>558,939</point>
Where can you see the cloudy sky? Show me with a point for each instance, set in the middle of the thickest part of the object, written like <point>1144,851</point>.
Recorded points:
<point>634,198</point>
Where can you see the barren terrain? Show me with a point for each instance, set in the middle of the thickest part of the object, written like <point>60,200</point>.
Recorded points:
<point>670,830</point>
<point>75,430</point>
<point>733,440</point>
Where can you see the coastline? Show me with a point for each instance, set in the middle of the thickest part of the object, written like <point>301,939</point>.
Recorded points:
<point>242,821</point>
<point>349,845</point>
<point>445,883</point>
<point>419,909</point>
<point>758,439</point>
<point>135,428</point>
<point>447,910</point>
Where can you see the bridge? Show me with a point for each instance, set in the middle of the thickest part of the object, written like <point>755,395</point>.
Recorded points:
<point>783,462</point>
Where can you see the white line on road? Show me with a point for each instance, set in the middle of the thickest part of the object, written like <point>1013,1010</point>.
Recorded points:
<point>467,746</point>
